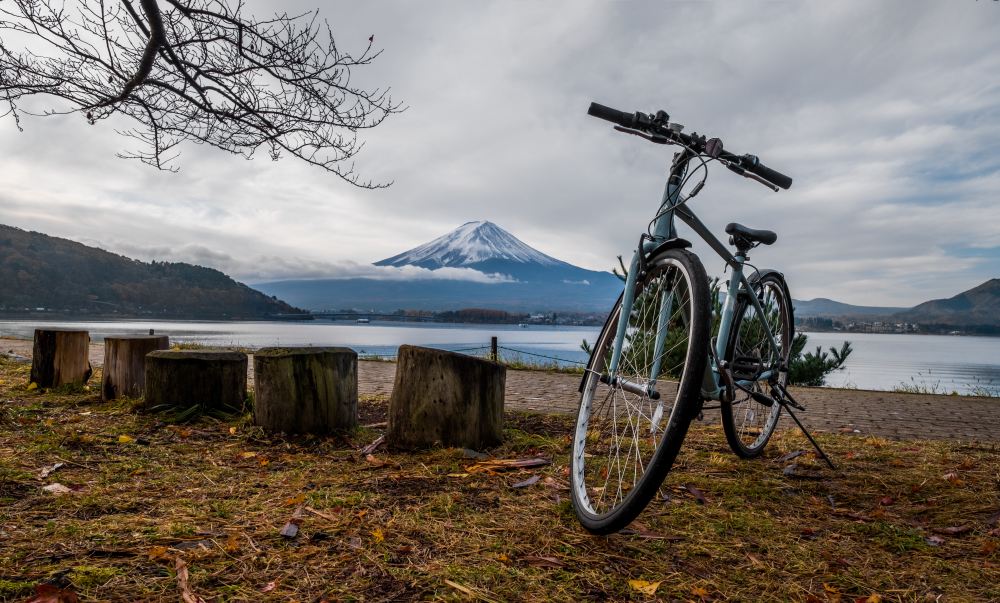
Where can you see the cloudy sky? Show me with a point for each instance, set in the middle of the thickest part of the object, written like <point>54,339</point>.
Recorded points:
<point>886,114</point>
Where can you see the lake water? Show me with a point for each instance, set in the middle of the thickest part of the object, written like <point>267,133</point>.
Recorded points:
<point>880,361</point>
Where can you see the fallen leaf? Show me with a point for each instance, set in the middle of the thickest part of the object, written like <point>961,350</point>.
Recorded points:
<point>754,560</point>
<point>232,543</point>
<point>534,479</point>
<point>124,439</point>
<point>291,528</point>
<point>249,454</point>
<point>699,591</point>
<point>934,540</point>
<point>644,587</point>
<point>374,461</point>
<point>273,584</point>
<point>698,496</point>
<point>885,501</point>
<point>159,553</point>
<point>48,593</point>
<point>32,386</point>
<point>873,598</point>
<point>232,431</point>
<point>378,536</point>
<point>56,489</point>
<point>540,561</point>
<point>830,589</point>
<point>989,547</point>
<point>298,499</point>
<point>953,479</point>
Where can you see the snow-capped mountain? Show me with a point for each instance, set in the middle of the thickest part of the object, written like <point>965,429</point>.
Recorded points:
<point>470,244</point>
<point>530,280</point>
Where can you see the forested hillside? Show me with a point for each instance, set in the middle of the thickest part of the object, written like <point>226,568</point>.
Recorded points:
<point>39,271</point>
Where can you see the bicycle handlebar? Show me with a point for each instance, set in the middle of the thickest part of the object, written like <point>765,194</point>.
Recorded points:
<point>658,128</point>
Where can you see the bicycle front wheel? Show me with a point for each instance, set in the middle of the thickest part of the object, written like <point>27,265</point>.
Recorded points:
<point>756,362</point>
<point>631,424</point>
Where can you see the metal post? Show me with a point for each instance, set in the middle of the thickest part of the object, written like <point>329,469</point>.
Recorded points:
<point>493,349</point>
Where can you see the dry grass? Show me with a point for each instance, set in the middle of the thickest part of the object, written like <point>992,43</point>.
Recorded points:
<point>900,520</point>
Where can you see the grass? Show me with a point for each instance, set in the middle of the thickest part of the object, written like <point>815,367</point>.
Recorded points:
<point>902,520</point>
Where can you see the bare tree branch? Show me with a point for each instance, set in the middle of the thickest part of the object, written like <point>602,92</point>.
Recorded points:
<point>196,70</point>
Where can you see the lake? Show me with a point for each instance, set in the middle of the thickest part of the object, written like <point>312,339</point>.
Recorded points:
<point>938,363</point>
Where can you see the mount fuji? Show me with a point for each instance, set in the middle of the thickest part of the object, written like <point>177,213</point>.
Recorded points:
<point>477,265</point>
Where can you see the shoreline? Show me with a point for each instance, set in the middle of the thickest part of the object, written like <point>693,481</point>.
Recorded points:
<point>23,347</point>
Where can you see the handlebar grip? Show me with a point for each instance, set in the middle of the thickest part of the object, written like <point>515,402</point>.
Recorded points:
<point>772,176</point>
<point>613,115</point>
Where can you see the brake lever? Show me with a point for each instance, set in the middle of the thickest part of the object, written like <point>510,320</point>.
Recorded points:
<point>742,172</point>
<point>650,138</point>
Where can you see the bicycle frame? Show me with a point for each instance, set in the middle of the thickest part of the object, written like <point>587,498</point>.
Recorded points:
<point>664,231</point>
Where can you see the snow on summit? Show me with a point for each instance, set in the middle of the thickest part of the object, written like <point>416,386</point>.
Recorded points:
<point>470,244</point>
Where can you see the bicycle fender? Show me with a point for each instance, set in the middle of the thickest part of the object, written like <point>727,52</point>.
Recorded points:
<point>756,276</point>
<point>677,243</point>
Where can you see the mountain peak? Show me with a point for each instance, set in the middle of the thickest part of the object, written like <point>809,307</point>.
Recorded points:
<point>471,244</point>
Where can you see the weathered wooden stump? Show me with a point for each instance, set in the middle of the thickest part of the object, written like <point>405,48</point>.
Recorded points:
<point>447,399</point>
<point>60,357</point>
<point>125,364</point>
<point>210,379</point>
<point>305,390</point>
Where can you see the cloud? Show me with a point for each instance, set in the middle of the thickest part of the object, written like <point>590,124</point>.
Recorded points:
<point>264,268</point>
<point>889,127</point>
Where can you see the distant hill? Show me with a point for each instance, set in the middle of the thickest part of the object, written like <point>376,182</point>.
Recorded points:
<point>533,281</point>
<point>828,308</point>
<point>977,306</point>
<point>39,271</point>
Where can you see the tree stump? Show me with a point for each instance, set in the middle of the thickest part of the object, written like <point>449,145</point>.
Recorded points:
<point>60,357</point>
<point>210,379</point>
<point>305,390</point>
<point>447,399</point>
<point>125,364</point>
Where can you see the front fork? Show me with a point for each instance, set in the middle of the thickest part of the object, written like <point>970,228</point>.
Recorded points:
<point>648,387</point>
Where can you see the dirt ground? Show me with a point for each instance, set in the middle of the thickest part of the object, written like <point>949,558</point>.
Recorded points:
<point>101,502</point>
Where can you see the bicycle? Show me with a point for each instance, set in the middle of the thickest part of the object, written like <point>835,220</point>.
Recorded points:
<point>628,432</point>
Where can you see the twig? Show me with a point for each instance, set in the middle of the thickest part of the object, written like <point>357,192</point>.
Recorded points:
<point>370,448</point>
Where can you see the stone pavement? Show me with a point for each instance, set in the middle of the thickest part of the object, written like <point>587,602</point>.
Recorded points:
<point>887,414</point>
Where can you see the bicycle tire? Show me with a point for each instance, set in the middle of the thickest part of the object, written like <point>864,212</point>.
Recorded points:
<point>604,408</point>
<point>748,424</point>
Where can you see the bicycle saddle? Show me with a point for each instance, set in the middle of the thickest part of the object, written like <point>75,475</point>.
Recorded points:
<point>755,236</point>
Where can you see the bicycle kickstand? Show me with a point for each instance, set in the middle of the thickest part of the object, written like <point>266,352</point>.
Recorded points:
<point>787,402</point>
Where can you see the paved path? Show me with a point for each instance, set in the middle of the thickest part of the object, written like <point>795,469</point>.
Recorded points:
<point>888,414</point>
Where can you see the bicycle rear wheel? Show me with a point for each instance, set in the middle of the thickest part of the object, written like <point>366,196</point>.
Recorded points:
<point>625,440</point>
<point>755,362</point>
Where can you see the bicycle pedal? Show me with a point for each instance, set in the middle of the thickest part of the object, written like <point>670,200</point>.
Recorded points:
<point>762,399</point>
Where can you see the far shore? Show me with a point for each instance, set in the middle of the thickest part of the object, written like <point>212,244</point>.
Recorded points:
<point>23,347</point>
